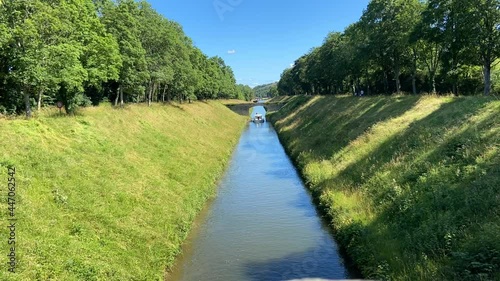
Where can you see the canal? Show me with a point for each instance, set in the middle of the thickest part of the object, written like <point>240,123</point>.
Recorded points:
<point>262,224</point>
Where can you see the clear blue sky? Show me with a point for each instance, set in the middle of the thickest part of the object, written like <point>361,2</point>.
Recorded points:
<point>260,38</point>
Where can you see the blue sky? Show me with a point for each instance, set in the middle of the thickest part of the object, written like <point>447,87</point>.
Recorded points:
<point>257,38</point>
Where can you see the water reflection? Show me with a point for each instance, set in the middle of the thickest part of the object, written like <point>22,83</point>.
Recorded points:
<point>314,262</point>
<point>262,225</point>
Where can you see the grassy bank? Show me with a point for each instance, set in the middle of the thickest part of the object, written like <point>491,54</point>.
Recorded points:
<point>110,194</point>
<point>411,184</point>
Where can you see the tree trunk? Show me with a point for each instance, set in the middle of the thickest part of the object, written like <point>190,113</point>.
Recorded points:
<point>396,77</point>
<point>432,63</point>
<point>121,97</point>
<point>39,102</point>
<point>487,78</point>
<point>433,80</point>
<point>27,102</point>
<point>454,69</point>
<point>155,92</point>
<point>117,95</point>
<point>414,83</point>
<point>386,83</point>
<point>163,94</point>
<point>414,72</point>
<point>368,82</point>
<point>150,93</point>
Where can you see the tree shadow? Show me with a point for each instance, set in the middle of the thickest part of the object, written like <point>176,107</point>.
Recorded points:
<point>360,115</point>
<point>321,261</point>
<point>432,191</point>
<point>241,109</point>
<point>174,105</point>
<point>413,141</point>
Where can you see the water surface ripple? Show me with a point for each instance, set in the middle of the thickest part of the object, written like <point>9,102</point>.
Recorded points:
<point>263,224</point>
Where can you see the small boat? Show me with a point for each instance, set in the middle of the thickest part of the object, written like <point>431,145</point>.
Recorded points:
<point>258,118</point>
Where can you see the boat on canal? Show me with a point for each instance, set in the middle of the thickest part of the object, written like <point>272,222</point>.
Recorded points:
<point>258,118</point>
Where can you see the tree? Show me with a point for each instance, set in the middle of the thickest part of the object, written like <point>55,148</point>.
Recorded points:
<point>245,92</point>
<point>154,33</point>
<point>444,42</point>
<point>101,57</point>
<point>121,20</point>
<point>449,23</point>
<point>92,56</point>
<point>430,46</point>
<point>22,64</point>
<point>388,24</point>
<point>265,91</point>
<point>57,47</point>
<point>485,20</point>
<point>80,51</point>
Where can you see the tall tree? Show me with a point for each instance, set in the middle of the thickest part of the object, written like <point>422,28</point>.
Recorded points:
<point>154,38</point>
<point>485,21</point>
<point>388,24</point>
<point>449,20</point>
<point>92,54</point>
<point>22,53</point>
<point>121,20</point>
<point>431,46</point>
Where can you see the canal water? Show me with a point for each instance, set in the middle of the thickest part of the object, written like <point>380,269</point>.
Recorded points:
<point>262,224</point>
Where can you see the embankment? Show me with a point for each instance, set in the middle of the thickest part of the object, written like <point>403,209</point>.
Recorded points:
<point>411,184</point>
<point>110,194</point>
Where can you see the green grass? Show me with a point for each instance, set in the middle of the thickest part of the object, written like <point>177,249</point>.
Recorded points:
<point>411,184</point>
<point>111,194</point>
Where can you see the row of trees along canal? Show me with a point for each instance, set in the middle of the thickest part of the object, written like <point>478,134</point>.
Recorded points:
<point>406,45</point>
<point>82,52</point>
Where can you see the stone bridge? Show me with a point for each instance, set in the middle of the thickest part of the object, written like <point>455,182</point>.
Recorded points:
<point>244,108</point>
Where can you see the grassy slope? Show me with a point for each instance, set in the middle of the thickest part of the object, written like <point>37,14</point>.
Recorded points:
<point>111,194</point>
<point>412,184</point>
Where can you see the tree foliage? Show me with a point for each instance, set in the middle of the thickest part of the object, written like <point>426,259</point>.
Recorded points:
<point>85,51</point>
<point>246,92</point>
<point>405,45</point>
<point>266,91</point>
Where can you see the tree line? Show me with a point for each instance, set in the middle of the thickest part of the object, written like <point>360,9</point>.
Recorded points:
<point>81,52</point>
<point>434,46</point>
<point>266,90</point>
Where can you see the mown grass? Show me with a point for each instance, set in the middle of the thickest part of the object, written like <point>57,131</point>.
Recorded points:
<point>411,184</point>
<point>111,194</point>
<point>233,102</point>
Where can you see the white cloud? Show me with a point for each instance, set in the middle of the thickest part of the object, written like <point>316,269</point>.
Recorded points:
<point>231,52</point>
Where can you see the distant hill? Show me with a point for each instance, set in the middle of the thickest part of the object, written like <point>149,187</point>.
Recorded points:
<point>266,91</point>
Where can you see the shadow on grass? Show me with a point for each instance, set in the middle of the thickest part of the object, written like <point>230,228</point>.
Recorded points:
<point>435,188</point>
<point>320,123</point>
<point>55,114</point>
<point>174,105</point>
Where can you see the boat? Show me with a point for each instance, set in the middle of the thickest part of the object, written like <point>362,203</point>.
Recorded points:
<point>258,118</point>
